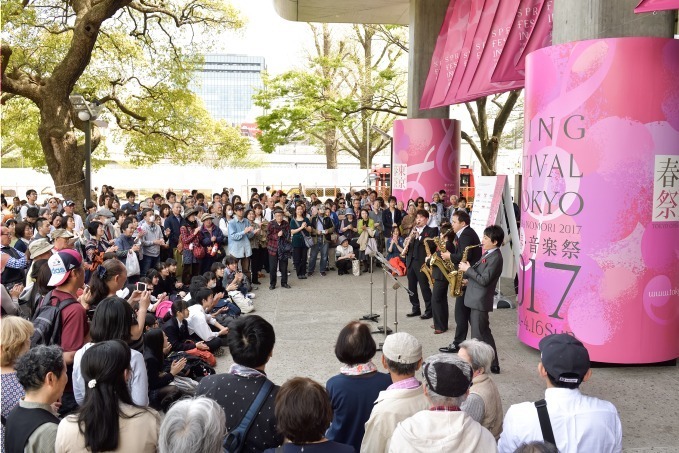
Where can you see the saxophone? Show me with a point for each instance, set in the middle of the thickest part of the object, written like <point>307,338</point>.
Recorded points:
<point>456,291</point>
<point>426,270</point>
<point>445,266</point>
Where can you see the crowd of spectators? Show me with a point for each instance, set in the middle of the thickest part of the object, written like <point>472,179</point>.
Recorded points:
<point>144,297</point>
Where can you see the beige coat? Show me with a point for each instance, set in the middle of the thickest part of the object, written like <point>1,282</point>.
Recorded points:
<point>391,408</point>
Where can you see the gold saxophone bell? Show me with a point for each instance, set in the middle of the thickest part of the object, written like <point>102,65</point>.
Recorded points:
<point>456,290</point>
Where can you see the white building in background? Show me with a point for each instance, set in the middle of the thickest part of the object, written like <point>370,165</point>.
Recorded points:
<point>226,84</point>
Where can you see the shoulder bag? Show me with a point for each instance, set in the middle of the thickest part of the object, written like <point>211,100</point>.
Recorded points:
<point>235,440</point>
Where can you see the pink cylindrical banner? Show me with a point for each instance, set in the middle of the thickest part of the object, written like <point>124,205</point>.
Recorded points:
<point>426,157</point>
<point>600,215</point>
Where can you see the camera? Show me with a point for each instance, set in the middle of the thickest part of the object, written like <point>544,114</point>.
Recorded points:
<point>141,286</point>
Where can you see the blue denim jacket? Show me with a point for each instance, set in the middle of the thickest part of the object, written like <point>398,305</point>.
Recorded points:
<point>239,242</point>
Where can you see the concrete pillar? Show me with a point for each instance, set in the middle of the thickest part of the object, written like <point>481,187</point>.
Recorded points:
<point>576,20</point>
<point>426,17</point>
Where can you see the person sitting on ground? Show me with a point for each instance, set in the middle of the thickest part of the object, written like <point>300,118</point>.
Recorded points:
<point>580,423</point>
<point>251,341</point>
<point>161,391</point>
<point>33,424</point>
<point>112,320</point>
<point>483,403</point>
<point>176,328</point>
<point>444,427</point>
<point>200,322</point>
<point>345,255</point>
<point>402,357</point>
<point>108,419</point>
<point>193,425</point>
<point>15,339</point>
<point>354,391</point>
<point>304,412</point>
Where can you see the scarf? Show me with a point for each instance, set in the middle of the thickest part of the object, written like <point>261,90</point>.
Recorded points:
<point>244,371</point>
<point>359,369</point>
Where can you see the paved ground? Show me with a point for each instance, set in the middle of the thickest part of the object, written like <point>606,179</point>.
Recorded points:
<point>308,317</point>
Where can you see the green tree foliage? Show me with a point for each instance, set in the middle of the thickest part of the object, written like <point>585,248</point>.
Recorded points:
<point>135,57</point>
<point>352,81</point>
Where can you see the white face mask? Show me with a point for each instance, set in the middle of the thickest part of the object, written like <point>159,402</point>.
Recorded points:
<point>152,219</point>
<point>211,285</point>
<point>229,212</point>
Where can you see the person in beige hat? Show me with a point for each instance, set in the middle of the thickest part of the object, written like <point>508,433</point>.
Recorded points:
<point>402,357</point>
<point>61,238</point>
<point>40,249</point>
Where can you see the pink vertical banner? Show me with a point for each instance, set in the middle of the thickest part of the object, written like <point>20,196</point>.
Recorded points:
<point>459,90</point>
<point>460,39</point>
<point>426,157</point>
<point>600,222</point>
<point>525,19</point>
<point>647,6</point>
<point>541,36</point>
<point>481,84</point>
<point>439,60</point>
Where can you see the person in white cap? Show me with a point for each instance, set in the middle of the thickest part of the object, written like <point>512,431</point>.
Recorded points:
<point>402,357</point>
<point>444,426</point>
<point>68,275</point>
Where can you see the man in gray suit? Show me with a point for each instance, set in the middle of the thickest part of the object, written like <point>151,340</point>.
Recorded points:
<point>482,279</point>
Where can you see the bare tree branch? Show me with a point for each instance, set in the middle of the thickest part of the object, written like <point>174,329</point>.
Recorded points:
<point>477,152</point>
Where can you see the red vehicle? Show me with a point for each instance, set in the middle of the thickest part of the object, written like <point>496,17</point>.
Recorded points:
<point>380,178</point>
<point>467,183</point>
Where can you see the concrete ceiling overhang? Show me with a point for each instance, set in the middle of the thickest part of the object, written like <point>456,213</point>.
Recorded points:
<point>345,11</point>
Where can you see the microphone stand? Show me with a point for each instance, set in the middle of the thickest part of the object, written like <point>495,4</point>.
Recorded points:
<point>389,271</point>
<point>371,316</point>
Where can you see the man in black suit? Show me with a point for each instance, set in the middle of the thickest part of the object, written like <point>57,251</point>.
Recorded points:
<point>439,298</point>
<point>482,279</point>
<point>464,237</point>
<point>414,261</point>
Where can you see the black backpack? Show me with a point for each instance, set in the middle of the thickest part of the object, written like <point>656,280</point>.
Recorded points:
<point>47,323</point>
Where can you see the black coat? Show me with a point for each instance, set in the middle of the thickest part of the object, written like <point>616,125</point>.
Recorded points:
<point>177,335</point>
<point>416,252</point>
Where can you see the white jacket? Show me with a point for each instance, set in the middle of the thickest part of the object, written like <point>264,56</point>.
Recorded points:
<point>439,432</point>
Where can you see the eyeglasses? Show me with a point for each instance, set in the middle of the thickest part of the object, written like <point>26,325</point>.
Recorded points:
<point>4,234</point>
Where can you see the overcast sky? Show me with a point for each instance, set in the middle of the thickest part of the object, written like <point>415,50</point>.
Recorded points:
<point>266,34</point>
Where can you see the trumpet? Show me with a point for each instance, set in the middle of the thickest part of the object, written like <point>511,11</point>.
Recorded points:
<point>407,242</point>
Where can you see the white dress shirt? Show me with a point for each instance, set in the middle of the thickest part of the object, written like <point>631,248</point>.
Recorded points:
<point>198,323</point>
<point>580,423</point>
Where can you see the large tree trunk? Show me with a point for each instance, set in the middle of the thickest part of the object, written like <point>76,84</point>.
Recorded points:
<point>330,155</point>
<point>64,157</point>
<point>489,153</point>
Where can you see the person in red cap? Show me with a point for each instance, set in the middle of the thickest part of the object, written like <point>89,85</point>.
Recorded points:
<point>68,275</point>
<point>575,422</point>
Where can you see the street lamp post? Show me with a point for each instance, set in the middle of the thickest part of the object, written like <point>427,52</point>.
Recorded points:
<point>86,112</point>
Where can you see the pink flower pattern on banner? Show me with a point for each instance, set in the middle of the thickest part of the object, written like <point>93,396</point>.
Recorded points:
<point>597,262</point>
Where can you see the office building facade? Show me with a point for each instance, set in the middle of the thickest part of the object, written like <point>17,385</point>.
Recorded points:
<point>226,83</point>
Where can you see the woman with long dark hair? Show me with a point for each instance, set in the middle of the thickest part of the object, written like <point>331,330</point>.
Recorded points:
<point>189,233</point>
<point>161,393</point>
<point>110,278</point>
<point>108,411</point>
<point>112,320</point>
